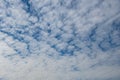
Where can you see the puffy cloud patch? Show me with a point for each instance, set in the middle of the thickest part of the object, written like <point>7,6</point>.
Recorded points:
<point>59,40</point>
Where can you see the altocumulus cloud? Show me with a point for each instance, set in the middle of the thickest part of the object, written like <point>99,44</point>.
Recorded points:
<point>59,40</point>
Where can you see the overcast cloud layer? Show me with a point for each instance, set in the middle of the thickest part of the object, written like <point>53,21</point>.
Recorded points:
<point>59,39</point>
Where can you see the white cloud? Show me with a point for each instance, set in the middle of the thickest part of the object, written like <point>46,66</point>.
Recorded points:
<point>62,29</point>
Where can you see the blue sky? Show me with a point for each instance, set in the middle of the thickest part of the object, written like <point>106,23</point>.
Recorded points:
<point>59,39</point>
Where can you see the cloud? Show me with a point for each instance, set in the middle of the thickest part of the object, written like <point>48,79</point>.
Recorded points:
<point>59,40</point>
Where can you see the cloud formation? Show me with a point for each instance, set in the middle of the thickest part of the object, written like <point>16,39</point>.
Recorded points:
<point>59,40</point>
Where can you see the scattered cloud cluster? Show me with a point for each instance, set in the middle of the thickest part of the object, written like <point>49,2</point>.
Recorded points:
<point>59,40</point>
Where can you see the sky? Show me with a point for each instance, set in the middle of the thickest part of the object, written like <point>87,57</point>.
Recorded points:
<point>59,40</point>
